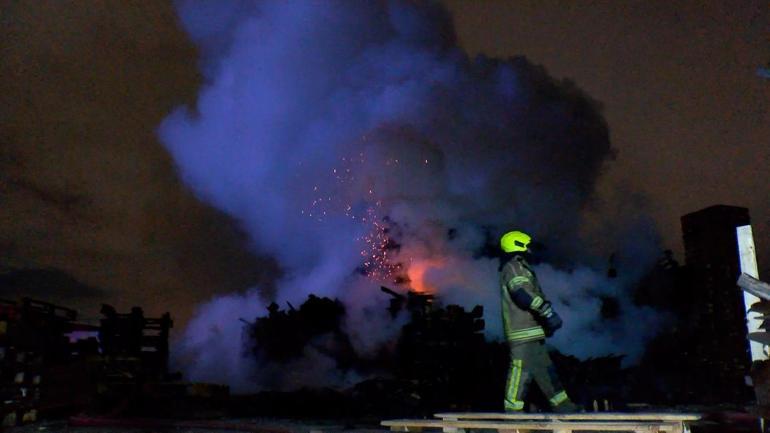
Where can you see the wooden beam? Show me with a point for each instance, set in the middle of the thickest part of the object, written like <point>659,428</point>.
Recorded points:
<point>566,426</point>
<point>747,257</point>
<point>604,416</point>
<point>754,286</point>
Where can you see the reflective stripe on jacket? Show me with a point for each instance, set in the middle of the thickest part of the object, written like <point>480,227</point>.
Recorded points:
<point>520,324</point>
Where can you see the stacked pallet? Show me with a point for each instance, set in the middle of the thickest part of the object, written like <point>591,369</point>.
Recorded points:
<point>32,333</point>
<point>21,380</point>
<point>19,400</point>
<point>134,345</point>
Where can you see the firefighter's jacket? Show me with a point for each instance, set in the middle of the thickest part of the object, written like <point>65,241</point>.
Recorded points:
<point>522,300</point>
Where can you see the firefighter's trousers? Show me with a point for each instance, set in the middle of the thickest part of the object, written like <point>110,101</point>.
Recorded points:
<point>530,362</point>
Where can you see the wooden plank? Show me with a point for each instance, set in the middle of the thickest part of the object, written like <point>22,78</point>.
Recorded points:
<point>572,427</point>
<point>611,416</point>
<point>761,337</point>
<point>747,258</point>
<point>754,286</point>
<point>639,426</point>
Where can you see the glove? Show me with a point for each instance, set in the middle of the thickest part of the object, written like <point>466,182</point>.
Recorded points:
<point>551,323</point>
<point>544,310</point>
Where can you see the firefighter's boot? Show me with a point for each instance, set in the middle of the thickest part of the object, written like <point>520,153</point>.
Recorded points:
<point>562,404</point>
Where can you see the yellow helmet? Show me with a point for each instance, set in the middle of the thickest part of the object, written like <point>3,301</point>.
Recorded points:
<point>514,241</point>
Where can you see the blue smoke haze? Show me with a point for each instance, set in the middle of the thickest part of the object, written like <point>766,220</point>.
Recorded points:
<point>319,119</point>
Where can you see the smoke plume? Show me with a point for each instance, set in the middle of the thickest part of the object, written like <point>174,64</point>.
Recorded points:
<point>356,139</point>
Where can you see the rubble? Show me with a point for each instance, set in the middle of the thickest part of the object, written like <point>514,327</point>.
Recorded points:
<point>441,360</point>
<point>283,335</point>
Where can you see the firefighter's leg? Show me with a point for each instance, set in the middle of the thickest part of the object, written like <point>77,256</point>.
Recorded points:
<point>544,374</point>
<point>518,380</point>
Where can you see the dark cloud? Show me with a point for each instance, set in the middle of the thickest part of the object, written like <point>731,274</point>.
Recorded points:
<point>84,186</point>
<point>689,116</point>
<point>53,285</point>
<point>329,129</point>
<point>86,189</point>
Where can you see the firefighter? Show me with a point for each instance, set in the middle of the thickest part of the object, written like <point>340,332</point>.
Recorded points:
<point>528,318</point>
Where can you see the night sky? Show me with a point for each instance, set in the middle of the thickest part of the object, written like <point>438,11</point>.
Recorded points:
<point>86,187</point>
<point>687,112</point>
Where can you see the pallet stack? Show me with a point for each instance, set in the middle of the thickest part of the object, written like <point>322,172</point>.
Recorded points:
<point>133,362</point>
<point>134,344</point>
<point>17,368</point>
<point>32,333</point>
<point>436,349</point>
<point>21,379</point>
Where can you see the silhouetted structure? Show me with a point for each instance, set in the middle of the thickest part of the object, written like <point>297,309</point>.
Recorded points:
<point>33,342</point>
<point>440,360</point>
<point>133,335</point>
<point>722,359</point>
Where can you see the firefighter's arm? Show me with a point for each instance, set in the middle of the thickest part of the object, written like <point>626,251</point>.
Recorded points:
<point>523,293</point>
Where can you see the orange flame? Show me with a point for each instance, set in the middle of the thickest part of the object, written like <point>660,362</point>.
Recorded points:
<point>416,273</point>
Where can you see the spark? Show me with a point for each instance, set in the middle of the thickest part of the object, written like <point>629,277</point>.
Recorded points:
<point>375,242</point>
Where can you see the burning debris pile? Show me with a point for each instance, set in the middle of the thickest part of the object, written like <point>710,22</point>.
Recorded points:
<point>443,351</point>
<point>439,360</point>
<point>356,144</point>
<point>316,326</point>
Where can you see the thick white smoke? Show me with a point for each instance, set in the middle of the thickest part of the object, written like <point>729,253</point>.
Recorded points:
<point>211,349</point>
<point>349,136</point>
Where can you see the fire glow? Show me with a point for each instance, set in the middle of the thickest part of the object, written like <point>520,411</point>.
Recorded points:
<point>361,203</point>
<point>417,274</point>
<point>372,141</point>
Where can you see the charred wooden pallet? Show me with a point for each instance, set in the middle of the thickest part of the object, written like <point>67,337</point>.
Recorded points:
<point>561,423</point>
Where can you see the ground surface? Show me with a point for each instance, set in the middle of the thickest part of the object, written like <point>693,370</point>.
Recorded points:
<point>259,425</point>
